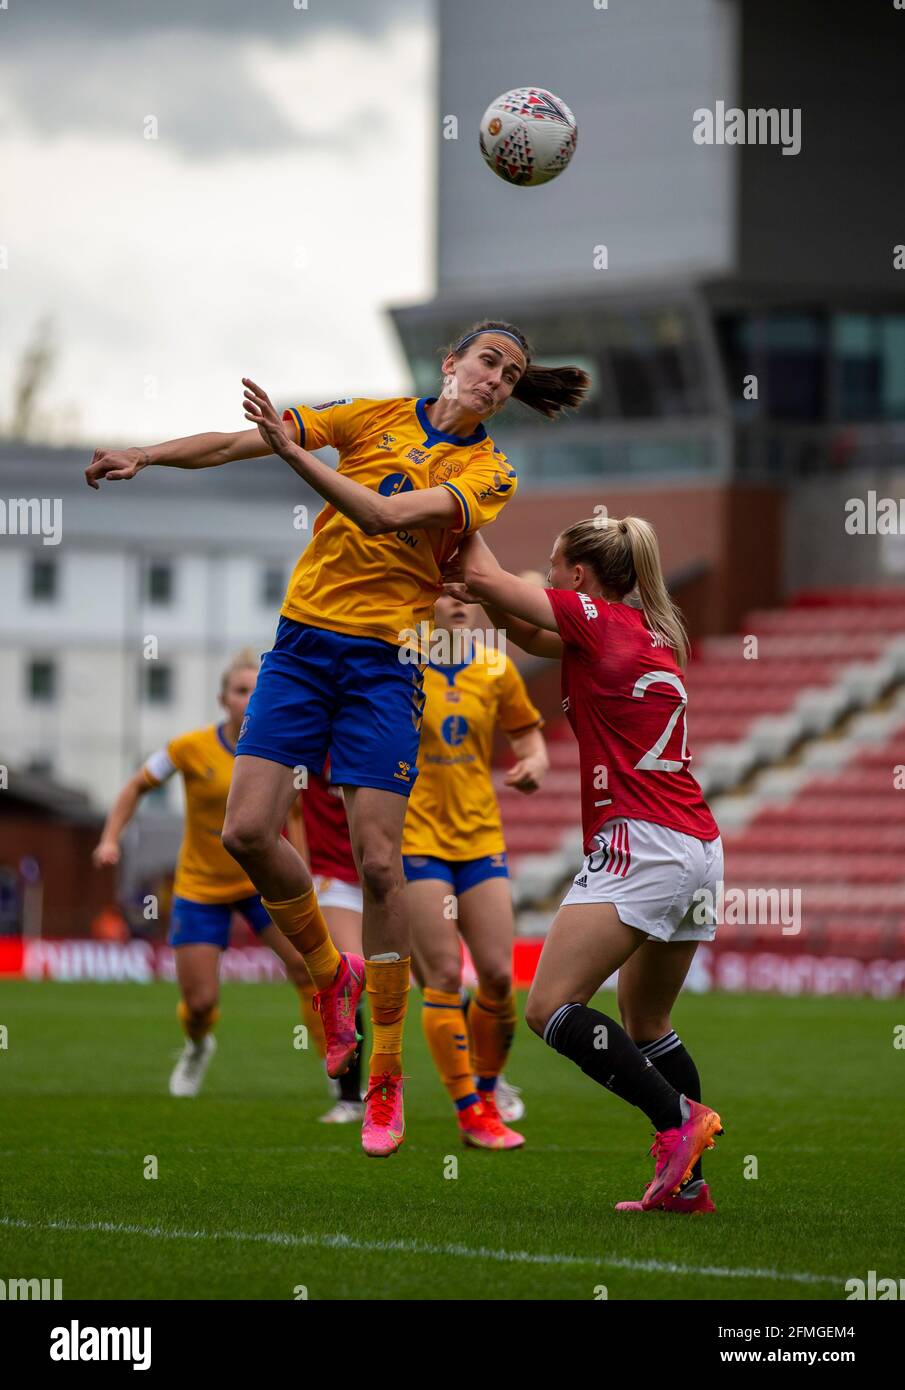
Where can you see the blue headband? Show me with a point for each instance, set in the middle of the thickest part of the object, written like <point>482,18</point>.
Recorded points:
<point>503,332</point>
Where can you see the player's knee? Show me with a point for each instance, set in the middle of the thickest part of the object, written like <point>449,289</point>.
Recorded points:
<point>244,839</point>
<point>538,1012</point>
<point>445,976</point>
<point>378,875</point>
<point>496,982</point>
<point>200,1000</point>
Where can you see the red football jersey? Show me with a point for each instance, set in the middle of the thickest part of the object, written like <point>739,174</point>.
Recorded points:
<point>625,699</point>
<point>327,829</point>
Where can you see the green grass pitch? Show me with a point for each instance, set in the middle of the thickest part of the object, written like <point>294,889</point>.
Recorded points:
<point>254,1199</point>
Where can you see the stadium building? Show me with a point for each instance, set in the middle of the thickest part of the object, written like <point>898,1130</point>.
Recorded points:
<point>744,328</point>
<point>120,611</point>
<point>741,310</point>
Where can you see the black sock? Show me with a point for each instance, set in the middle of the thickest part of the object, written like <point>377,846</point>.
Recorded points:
<point>671,1059</point>
<point>606,1053</point>
<point>350,1082</point>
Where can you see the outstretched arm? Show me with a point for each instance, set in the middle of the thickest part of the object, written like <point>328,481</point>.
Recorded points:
<point>528,636</point>
<point>374,514</point>
<point>497,589</point>
<point>194,451</point>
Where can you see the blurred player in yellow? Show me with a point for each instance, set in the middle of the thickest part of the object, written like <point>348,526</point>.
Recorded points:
<point>209,884</point>
<point>454,857</point>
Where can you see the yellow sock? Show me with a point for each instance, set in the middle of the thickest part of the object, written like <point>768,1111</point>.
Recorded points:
<point>196,1026</point>
<point>491,1027</point>
<point>311,1019</point>
<point>443,1022</point>
<point>387,984</point>
<point>301,920</point>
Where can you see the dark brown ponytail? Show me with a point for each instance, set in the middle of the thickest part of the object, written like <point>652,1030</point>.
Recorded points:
<point>548,390</point>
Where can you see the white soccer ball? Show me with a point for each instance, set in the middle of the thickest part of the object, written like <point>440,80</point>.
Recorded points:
<point>528,136</point>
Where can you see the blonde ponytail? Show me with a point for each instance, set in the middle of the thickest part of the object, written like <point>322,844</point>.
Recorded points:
<point>624,556</point>
<point>662,615</point>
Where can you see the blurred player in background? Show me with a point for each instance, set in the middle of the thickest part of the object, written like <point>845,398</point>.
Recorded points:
<point>209,885</point>
<point>413,477</point>
<point>653,848</point>
<point>454,857</point>
<point>318,829</point>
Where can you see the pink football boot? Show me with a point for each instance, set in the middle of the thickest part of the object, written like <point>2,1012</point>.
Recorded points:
<point>691,1200</point>
<point>336,1006</point>
<point>384,1124</point>
<point>481,1127</point>
<point>677,1150</point>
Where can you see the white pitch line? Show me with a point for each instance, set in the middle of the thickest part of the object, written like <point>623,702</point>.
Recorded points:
<point>417,1247</point>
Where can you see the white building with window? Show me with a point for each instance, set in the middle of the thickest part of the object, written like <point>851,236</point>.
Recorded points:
<point>115,624</point>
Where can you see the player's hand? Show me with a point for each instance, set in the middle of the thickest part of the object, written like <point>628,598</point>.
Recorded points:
<point>114,465</point>
<point>259,410</point>
<point>459,591</point>
<point>526,776</point>
<point>105,854</point>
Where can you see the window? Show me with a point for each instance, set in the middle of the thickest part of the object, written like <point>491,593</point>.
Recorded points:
<point>856,348</point>
<point>42,681</point>
<point>159,582</point>
<point>796,366</point>
<point>157,683</point>
<point>43,585</point>
<point>273,585</point>
<point>892,340</point>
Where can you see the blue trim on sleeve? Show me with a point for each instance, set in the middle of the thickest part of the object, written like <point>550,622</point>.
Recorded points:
<point>298,420</point>
<point>465,512</point>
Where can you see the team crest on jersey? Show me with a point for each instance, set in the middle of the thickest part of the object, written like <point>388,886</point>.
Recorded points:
<point>417,455</point>
<point>386,442</point>
<point>442,472</point>
<point>325,405</point>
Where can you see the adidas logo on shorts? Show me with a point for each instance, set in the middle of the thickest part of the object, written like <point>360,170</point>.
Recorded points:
<point>581,881</point>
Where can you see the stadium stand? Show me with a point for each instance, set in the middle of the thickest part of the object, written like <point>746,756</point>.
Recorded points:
<point>798,747</point>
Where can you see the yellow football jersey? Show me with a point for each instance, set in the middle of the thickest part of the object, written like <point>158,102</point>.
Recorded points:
<point>205,872</point>
<point>383,586</point>
<point>452,811</point>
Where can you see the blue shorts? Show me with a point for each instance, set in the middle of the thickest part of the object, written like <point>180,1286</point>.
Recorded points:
<point>321,692</point>
<point>461,873</point>
<point>207,924</point>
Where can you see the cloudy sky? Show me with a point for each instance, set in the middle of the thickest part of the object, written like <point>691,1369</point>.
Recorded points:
<point>286,200</point>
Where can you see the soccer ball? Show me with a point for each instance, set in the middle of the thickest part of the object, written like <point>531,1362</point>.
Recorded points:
<point>528,136</point>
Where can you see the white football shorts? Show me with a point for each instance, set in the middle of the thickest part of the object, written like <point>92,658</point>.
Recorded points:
<point>660,881</point>
<point>335,892</point>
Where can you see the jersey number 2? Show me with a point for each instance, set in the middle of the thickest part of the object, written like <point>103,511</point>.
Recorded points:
<point>651,761</point>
